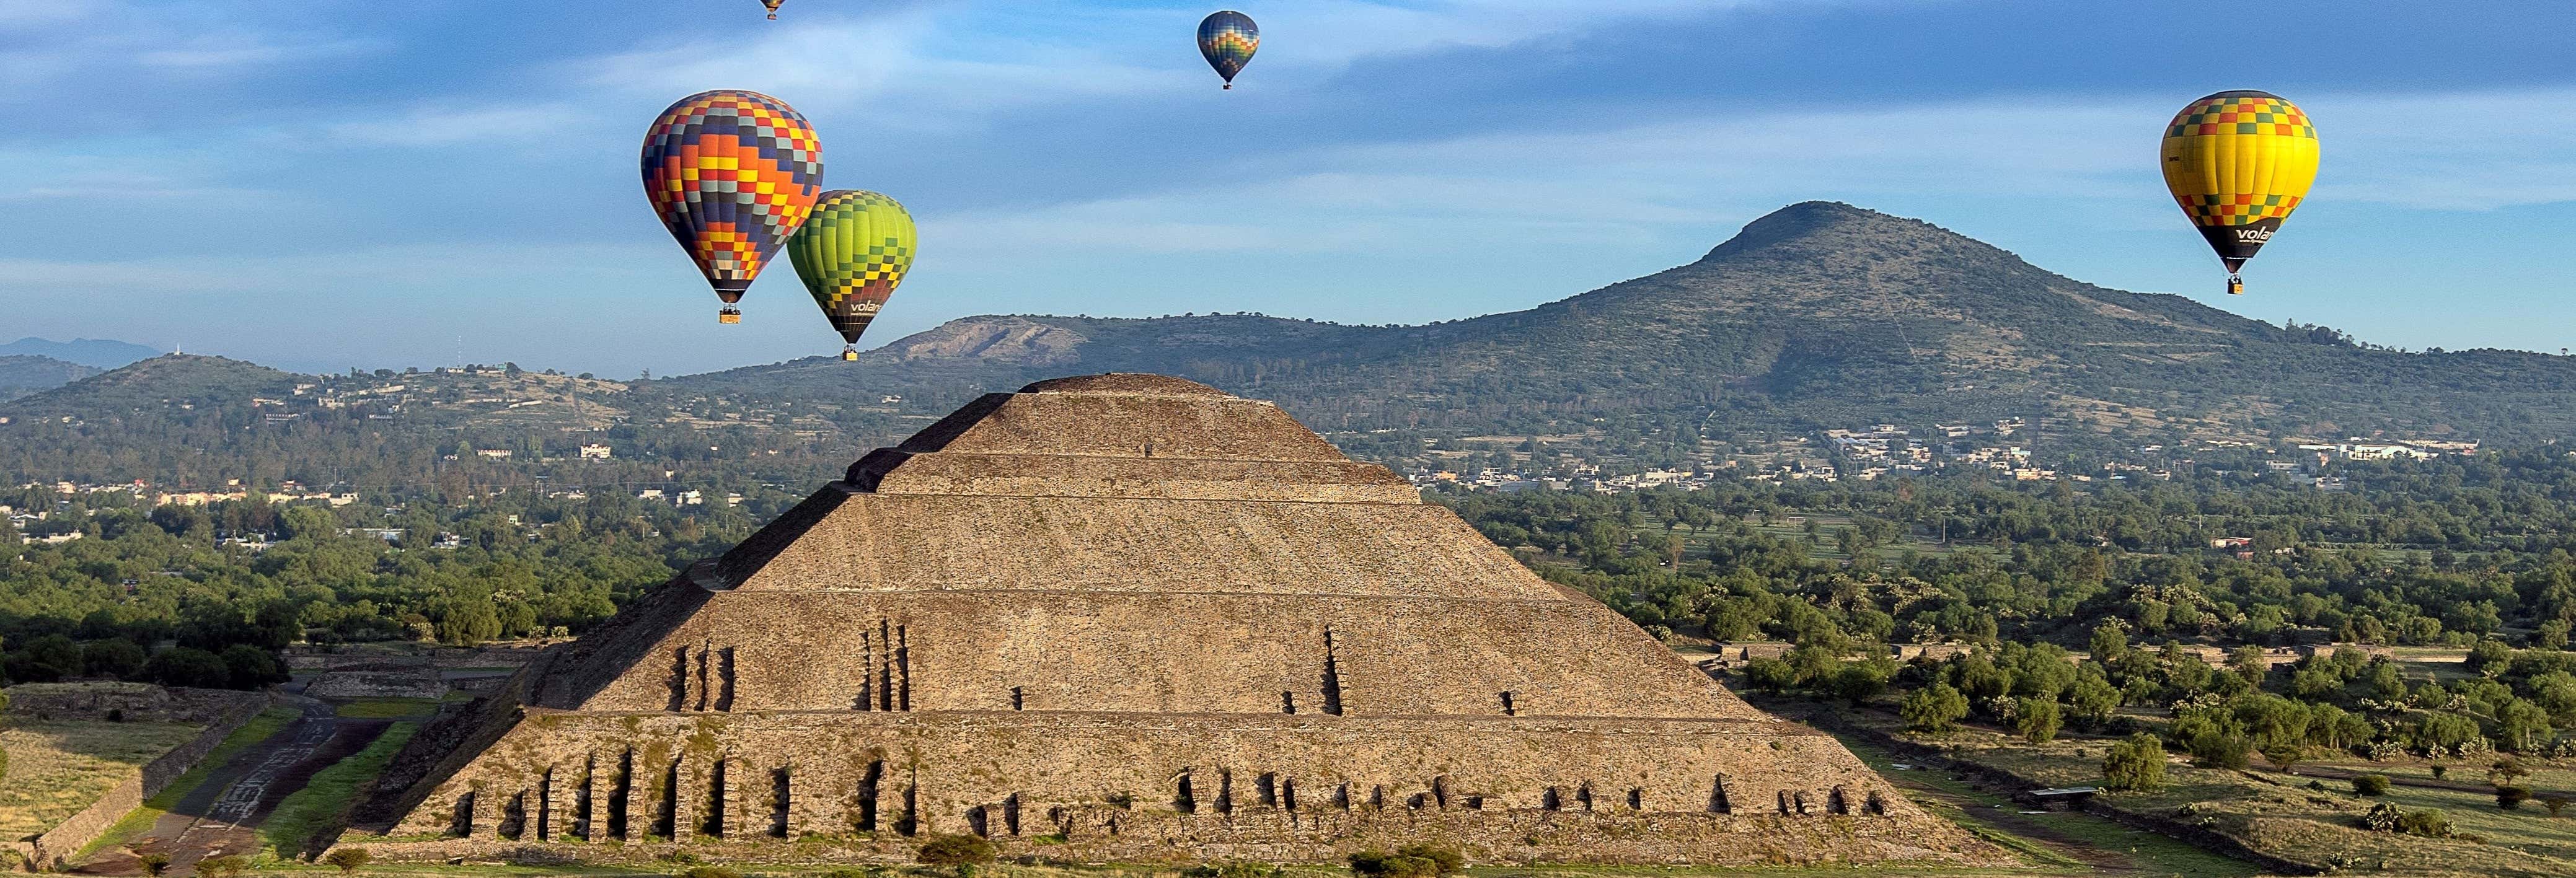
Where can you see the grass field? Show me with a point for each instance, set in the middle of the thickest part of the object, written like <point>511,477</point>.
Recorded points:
<point>2283,815</point>
<point>57,768</point>
<point>389,708</point>
<point>260,727</point>
<point>324,801</point>
<point>434,870</point>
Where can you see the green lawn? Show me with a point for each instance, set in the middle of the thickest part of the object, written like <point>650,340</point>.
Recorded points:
<point>389,708</point>
<point>324,801</point>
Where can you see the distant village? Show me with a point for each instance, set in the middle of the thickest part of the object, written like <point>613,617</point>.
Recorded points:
<point>1886,450</point>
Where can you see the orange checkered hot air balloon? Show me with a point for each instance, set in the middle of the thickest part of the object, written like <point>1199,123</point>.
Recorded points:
<point>732,174</point>
<point>2239,162</point>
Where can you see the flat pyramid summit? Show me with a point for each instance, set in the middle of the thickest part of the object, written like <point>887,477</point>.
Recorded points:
<point>1131,617</point>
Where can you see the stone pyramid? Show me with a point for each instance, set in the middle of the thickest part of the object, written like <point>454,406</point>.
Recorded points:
<point>1126,618</point>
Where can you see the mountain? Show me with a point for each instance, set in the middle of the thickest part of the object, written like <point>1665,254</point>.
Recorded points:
<point>22,374</point>
<point>97,353</point>
<point>1817,315</point>
<point>158,383</point>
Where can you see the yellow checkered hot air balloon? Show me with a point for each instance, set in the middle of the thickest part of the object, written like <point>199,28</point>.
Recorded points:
<point>852,253</point>
<point>2239,162</point>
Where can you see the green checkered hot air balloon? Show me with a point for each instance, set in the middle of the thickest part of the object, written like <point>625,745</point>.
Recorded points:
<point>852,253</point>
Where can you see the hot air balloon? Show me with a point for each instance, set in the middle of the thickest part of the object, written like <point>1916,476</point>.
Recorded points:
<point>732,174</point>
<point>852,254</point>
<point>1228,38</point>
<point>773,7</point>
<point>2239,162</point>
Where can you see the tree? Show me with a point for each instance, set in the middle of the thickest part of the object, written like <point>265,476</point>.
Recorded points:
<point>1859,682</point>
<point>250,667</point>
<point>1770,675</point>
<point>2510,798</point>
<point>1934,709</point>
<point>2250,663</point>
<point>2037,720</point>
<point>2285,756</point>
<point>2490,657</point>
<point>115,657</point>
<point>2370,784</point>
<point>2522,724</point>
<point>182,666</point>
<point>2092,701</point>
<point>2135,764</point>
<point>348,860</point>
<point>2110,641</point>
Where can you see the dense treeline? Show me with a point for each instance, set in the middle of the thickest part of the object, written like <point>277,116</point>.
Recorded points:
<point>2475,552</point>
<point>199,596</point>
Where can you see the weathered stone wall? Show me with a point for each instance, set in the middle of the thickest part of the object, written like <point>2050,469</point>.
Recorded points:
<point>421,683</point>
<point>1302,788</point>
<point>136,702</point>
<point>57,845</point>
<point>1175,653</point>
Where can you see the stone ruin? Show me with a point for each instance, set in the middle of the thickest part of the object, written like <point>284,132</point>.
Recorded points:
<point>1133,618</point>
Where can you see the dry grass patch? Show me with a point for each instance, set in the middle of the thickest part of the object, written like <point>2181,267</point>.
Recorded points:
<point>56,768</point>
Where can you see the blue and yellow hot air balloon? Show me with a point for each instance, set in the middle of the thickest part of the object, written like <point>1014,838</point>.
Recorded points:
<point>852,254</point>
<point>732,174</point>
<point>2238,162</point>
<point>1227,39</point>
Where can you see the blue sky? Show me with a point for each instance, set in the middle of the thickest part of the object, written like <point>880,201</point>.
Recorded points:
<point>324,183</point>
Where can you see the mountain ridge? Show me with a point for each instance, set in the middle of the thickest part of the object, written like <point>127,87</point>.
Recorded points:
<point>1819,315</point>
<point>96,353</point>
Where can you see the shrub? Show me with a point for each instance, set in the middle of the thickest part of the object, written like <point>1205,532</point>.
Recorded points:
<point>1380,864</point>
<point>348,860</point>
<point>154,864</point>
<point>709,872</point>
<point>956,850</point>
<point>2370,784</point>
<point>2135,764</point>
<point>2511,797</point>
<point>2037,720</point>
<point>2428,823</point>
<point>2555,804</point>
<point>222,867</point>
<point>1449,860</point>
<point>1231,869</point>
<point>2384,817</point>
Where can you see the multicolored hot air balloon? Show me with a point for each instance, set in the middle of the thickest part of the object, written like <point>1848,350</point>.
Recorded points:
<point>773,7</point>
<point>2239,162</point>
<point>852,254</point>
<point>732,174</point>
<point>1228,38</point>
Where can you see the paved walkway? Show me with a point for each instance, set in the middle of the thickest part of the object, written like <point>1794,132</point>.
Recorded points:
<point>220,816</point>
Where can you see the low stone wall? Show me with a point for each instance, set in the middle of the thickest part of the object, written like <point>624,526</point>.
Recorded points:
<point>131,702</point>
<point>55,848</point>
<point>420,683</point>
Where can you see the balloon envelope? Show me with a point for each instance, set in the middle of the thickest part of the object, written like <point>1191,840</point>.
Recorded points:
<point>732,174</point>
<point>2238,162</point>
<point>852,254</point>
<point>1227,39</point>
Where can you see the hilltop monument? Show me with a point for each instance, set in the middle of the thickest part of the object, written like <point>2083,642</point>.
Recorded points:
<point>1133,618</point>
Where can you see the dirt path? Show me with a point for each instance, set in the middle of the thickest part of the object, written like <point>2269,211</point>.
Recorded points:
<point>222,815</point>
